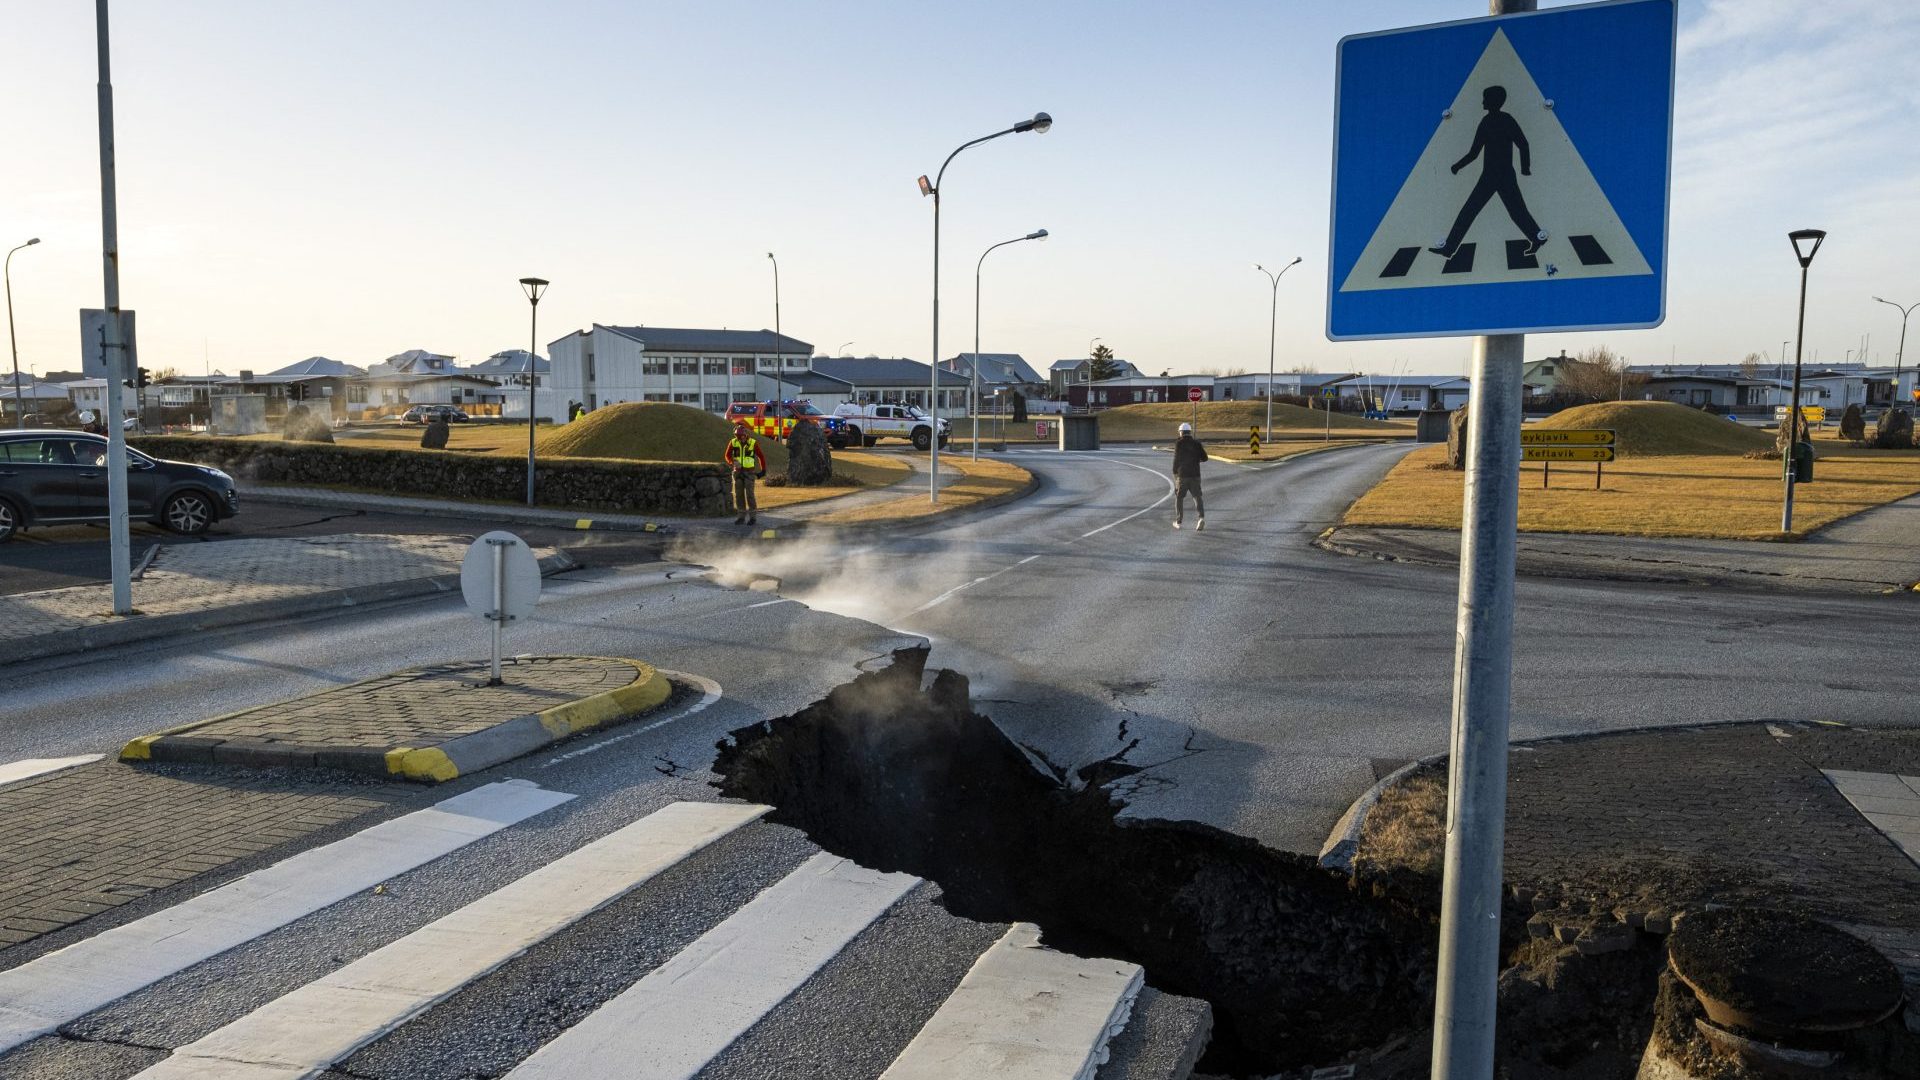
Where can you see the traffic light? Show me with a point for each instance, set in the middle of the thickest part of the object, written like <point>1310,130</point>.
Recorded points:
<point>142,379</point>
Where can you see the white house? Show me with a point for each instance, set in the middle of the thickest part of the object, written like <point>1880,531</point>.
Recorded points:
<point>90,395</point>
<point>510,370</point>
<point>707,369</point>
<point>1408,393</point>
<point>1285,383</point>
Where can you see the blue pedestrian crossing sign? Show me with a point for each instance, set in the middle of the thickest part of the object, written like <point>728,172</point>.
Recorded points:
<point>1503,175</point>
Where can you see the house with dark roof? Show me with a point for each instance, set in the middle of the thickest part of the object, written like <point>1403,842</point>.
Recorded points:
<point>1064,373</point>
<point>895,381</point>
<point>1000,370</point>
<point>707,369</point>
<point>321,366</point>
<point>413,362</point>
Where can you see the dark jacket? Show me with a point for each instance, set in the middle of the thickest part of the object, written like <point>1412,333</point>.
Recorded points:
<point>1187,456</point>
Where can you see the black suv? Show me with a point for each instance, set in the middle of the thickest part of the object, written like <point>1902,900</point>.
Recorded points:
<point>60,477</point>
<point>424,414</point>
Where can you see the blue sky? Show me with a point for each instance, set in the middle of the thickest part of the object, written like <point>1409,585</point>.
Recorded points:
<point>352,179</point>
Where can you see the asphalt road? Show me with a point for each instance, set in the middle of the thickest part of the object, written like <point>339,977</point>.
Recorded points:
<point>55,558</point>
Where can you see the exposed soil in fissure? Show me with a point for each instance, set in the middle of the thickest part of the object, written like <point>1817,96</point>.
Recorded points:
<point>1302,967</point>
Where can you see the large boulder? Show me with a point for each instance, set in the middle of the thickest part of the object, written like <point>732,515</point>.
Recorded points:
<point>1457,439</point>
<point>809,458</point>
<point>436,434</point>
<point>1853,423</point>
<point>1894,431</point>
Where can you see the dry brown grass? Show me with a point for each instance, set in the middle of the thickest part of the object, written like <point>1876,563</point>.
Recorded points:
<point>1228,421</point>
<point>871,470</point>
<point>1717,496</point>
<point>983,480</point>
<point>1276,450</point>
<point>1408,826</point>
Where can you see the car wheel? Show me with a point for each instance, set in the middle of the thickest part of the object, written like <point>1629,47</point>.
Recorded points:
<point>869,441</point>
<point>922,438</point>
<point>9,521</point>
<point>188,513</point>
<point>853,436</point>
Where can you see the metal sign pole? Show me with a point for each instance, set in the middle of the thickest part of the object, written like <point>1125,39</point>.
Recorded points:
<point>499,615</point>
<point>114,355</point>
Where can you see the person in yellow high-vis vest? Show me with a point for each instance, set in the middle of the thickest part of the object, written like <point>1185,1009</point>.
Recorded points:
<point>749,463</point>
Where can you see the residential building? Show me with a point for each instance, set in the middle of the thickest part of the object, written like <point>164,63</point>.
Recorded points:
<point>1542,377</point>
<point>1407,393</point>
<point>90,395</point>
<point>1008,371</point>
<point>1137,390</point>
<point>1724,393</point>
<point>895,381</point>
<point>36,393</point>
<point>707,369</point>
<point>509,372</point>
<point>413,362</point>
<point>1064,373</point>
<point>1285,384</point>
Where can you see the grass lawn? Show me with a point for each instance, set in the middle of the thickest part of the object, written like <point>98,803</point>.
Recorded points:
<point>1719,496</point>
<point>983,480</point>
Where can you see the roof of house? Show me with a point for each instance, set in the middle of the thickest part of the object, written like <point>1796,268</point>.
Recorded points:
<point>875,371</point>
<point>509,362</point>
<point>413,377</point>
<point>672,338</point>
<point>320,366</point>
<point>813,382</point>
<point>1153,380</point>
<point>998,367</point>
<point>84,384</point>
<point>1126,367</point>
<point>33,389</point>
<point>1435,382</point>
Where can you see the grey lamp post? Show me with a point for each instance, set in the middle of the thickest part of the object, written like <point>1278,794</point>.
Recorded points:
<point>1040,123</point>
<point>1273,331</point>
<point>20,402</point>
<point>842,350</point>
<point>973,376</point>
<point>1806,244</point>
<point>1899,356</point>
<point>534,287</point>
<point>779,375</point>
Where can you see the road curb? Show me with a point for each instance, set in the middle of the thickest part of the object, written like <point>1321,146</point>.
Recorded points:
<point>147,627</point>
<point>1343,842</point>
<point>436,764</point>
<point>577,520</point>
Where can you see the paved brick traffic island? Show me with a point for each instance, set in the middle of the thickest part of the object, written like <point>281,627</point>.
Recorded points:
<point>429,724</point>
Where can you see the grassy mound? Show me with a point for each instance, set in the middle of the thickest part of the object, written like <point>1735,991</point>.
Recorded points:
<point>1645,428</point>
<point>650,431</point>
<point>1228,420</point>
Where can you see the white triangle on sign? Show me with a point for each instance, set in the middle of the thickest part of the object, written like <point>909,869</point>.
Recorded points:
<point>1585,238</point>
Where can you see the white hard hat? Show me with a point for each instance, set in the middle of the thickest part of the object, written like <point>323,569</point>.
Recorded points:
<point>1186,429</point>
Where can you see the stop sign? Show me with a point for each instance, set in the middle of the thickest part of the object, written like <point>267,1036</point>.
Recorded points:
<point>1194,393</point>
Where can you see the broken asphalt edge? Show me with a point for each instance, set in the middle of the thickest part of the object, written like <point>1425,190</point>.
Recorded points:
<point>1348,540</point>
<point>138,628</point>
<point>539,517</point>
<point>1343,842</point>
<point>450,760</point>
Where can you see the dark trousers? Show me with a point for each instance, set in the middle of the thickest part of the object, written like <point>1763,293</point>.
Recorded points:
<point>1182,487</point>
<point>743,502</point>
<point>1508,188</point>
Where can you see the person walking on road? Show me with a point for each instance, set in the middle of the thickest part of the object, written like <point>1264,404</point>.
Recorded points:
<point>1187,456</point>
<point>749,464</point>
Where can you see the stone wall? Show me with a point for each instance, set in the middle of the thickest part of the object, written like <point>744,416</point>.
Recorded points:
<point>576,484</point>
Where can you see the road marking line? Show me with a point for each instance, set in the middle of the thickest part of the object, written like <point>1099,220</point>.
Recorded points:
<point>15,771</point>
<point>767,603</point>
<point>709,693</point>
<point>680,1016</point>
<point>1023,1013</point>
<point>42,994</point>
<point>303,1032</point>
<point>1143,510</point>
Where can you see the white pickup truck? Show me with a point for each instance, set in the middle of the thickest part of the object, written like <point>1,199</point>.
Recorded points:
<point>872,422</point>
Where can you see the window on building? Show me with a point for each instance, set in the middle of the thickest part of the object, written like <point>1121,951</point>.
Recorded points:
<point>713,367</point>
<point>796,363</point>
<point>743,365</point>
<point>654,397</point>
<point>686,399</point>
<point>768,363</point>
<point>742,397</point>
<point>650,366</point>
<point>1099,397</point>
<point>1411,393</point>
<point>686,365</point>
<point>716,402</point>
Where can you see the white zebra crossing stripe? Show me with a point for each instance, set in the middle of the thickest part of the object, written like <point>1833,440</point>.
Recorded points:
<point>40,995</point>
<point>15,771</point>
<point>671,1023</point>
<point>1024,1013</point>
<point>302,1033</point>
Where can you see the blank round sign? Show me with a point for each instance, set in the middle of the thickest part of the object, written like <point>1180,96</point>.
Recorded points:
<point>520,569</point>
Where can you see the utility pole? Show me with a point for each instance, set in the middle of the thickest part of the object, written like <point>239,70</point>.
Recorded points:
<point>114,348</point>
<point>1812,239</point>
<point>1466,994</point>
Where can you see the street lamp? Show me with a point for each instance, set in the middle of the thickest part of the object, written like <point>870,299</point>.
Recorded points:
<point>842,350</point>
<point>19,402</point>
<point>1273,330</point>
<point>779,376</point>
<point>1899,355</point>
<point>1040,123</point>
<point>973,384</point>
<point>534,287</point>
<point>1806,244</point>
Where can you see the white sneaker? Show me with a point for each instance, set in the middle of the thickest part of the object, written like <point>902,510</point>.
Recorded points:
<point>1176,523</point>
<point>1199,525</point>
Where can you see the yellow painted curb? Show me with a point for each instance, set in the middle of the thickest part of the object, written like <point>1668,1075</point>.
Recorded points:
<point>140,749</point>
<point>583,523</point>
<point>429,764</point>
<point>648,690</point>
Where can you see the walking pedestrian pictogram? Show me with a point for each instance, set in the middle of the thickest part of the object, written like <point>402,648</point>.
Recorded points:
<point>1468,199</point>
